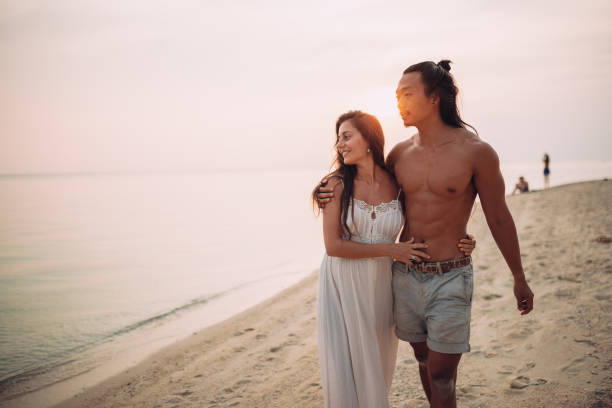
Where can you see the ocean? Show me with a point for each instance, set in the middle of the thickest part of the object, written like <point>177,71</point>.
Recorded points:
<point>99,270</point>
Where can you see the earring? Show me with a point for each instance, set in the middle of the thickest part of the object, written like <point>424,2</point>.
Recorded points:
<point>369,150</point>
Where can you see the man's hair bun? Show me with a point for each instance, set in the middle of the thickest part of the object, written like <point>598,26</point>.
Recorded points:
<point>445,64</point>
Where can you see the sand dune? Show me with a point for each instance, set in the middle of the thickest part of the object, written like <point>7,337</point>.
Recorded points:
<point>558,356</point>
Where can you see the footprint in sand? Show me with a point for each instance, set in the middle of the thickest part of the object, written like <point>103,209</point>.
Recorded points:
<point>491,296</point>
<point>174,400</point>
<point>519,334</point>
<point>566,293</point>
<point>528,366</point>
<point>586,341</point>
<point>571,366</point>
<point>261,336</point>
<point>568,279</point>
<point>520,382</point>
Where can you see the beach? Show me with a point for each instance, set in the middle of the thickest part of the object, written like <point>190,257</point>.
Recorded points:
<point>559,355</point>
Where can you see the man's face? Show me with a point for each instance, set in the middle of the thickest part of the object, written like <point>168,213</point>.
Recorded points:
<point>414,106</point>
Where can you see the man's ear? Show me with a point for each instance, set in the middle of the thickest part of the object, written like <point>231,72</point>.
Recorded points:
<point>434,98</point>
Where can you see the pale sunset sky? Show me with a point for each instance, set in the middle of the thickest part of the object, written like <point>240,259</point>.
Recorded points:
<point>90,85</point>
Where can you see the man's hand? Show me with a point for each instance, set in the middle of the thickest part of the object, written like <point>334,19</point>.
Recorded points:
<point>524,296</point>
<point>324,193</point>
<point>467,245</point>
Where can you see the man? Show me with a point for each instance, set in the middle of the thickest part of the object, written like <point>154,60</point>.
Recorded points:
<point>440,170</point>
<point>522,186</point>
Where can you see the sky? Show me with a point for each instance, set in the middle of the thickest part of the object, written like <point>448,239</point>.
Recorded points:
<point>202,85</point>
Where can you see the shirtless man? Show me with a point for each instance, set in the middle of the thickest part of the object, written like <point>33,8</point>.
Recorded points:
<point>522,186</point>
<point>440,170</point>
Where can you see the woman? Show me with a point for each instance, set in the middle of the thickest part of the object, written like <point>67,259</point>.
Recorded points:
<point>357,344</point>
<point>546,161</point>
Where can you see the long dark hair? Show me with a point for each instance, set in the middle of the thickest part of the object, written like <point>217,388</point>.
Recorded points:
<point>372,132</point>
<point>437,78</point>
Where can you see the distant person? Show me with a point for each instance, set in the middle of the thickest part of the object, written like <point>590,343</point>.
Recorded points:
<point>546,161</point>
<point>522,186</point>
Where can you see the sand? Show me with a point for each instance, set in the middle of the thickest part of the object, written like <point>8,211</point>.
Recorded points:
<point>560,355</point>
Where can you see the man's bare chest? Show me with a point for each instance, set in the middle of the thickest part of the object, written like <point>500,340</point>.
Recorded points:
<point>446,173</point>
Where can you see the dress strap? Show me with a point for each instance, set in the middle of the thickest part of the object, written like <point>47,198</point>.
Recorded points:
<point>399,193</point>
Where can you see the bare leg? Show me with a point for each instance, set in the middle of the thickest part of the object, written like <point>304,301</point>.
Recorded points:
<point>442,369</point>
<point>420,353</point>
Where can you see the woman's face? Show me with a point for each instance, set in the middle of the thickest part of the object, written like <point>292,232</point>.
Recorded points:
<point>350,143</point>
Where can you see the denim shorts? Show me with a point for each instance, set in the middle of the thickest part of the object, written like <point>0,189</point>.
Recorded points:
<point>432,307</point>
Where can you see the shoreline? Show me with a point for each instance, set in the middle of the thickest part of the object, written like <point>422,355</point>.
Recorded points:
<point>112,357</point>
<point>266,354</point>
<point>206,339</point>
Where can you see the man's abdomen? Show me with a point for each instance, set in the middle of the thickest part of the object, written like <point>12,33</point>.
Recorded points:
<point>439,224</point>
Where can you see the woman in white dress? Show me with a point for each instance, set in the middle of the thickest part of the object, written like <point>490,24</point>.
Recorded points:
<point>357,343</point>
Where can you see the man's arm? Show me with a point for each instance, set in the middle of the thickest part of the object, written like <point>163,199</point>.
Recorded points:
<point>491,189</point>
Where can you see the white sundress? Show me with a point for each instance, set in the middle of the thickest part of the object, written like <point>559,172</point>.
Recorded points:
<point>357,343</point>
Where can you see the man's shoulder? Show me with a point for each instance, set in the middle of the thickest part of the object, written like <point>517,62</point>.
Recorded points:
<point>482,155</point>
<point>473,142</point>
<point>403,145</point>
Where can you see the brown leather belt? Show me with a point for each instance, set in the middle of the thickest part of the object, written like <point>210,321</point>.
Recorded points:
<point>438,267</point>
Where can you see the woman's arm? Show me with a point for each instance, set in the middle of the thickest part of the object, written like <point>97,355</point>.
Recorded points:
<point>335,245</point>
